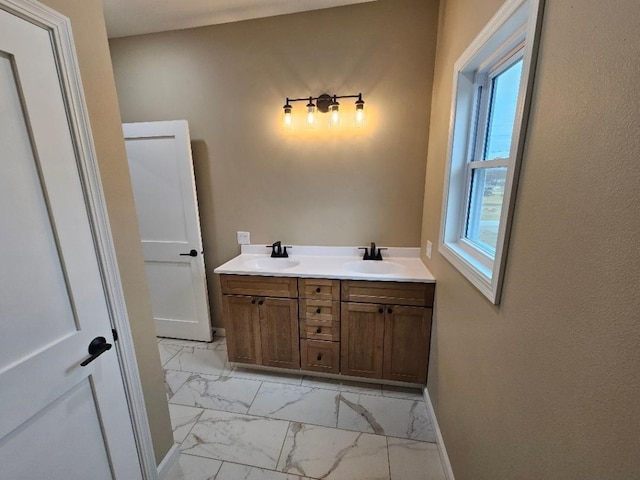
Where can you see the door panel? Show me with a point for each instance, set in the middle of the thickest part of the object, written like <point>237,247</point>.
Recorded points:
<point>406,349</point>
<point>362,337</point>
<point>56,414</point>
<point>171,288</point>
<point>73,456</point>
<point>22,191</point>
<point>279,332</point>
<point>242,325</point>
<point>161,171</point>
<point>160,201</point>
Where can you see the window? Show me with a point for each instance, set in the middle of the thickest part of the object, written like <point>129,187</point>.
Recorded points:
<point>492,84</point>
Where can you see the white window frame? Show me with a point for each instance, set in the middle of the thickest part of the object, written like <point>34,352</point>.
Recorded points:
<point>512,33</point>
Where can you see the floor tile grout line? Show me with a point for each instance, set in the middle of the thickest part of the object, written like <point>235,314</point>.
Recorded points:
<point>284,440</point>
<point>199,416</point>
<point>312,424</point>
<point>263,468</point>
<point>171,357</point>
<point>254,397</point>
<point>388,457</point>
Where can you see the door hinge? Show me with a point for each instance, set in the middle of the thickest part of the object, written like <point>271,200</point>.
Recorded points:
<point>115,334</point>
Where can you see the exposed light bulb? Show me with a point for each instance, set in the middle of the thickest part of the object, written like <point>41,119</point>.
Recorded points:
<point>311,113</point>
<point>287,119</point>
<point>359,111</point>
<point>334,112</point>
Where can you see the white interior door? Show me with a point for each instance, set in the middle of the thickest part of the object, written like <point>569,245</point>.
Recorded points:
<point>166,203</point>
<point>58,420</point>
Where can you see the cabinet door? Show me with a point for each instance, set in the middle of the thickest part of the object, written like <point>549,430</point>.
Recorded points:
<point>407,332</point>
<point>279,332</point>
<point>242,327</point>
<point>362,335</point>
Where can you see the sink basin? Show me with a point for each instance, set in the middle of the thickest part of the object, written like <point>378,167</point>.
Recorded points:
<point>374,267</point>
<point>272,263</point>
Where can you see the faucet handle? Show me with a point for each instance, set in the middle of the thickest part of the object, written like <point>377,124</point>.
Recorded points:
<point>367,255</point>
<point>379,254</point>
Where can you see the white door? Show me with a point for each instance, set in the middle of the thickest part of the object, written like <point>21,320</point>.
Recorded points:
<point>58,420</point>
<point>164,189</point>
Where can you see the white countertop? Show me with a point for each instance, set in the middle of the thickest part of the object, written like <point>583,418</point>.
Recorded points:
<point>404,264</point>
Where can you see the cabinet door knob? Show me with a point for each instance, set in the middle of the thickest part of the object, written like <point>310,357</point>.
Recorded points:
<point>253,301</point>
<point>260,302</point>
<point>318,290</point>
<point>318,310</point>
<point>319,357</point>
<point>381,310</point>
<point>319,330</point>
<point>389,311</point>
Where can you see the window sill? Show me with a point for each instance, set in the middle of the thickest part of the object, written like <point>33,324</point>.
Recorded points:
<point>476,272</point>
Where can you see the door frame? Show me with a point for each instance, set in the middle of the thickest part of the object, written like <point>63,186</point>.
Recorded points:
<point>63,44</point>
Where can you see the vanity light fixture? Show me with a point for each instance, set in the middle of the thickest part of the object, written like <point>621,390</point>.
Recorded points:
<point>324,103</point>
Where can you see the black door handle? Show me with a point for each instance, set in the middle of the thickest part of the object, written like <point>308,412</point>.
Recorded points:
<point>96,348</point>
<point>192,253</point>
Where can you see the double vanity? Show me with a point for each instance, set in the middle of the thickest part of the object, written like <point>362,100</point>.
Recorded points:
<point>325,309</point>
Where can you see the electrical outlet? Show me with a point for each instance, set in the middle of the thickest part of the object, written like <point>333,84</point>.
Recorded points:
<point>428,248</point>
<point>244,238</point>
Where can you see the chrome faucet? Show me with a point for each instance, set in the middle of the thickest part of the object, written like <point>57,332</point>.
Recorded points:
<point>372,253</point>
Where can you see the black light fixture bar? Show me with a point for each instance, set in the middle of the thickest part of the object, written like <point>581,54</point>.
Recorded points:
<point>322,101</point>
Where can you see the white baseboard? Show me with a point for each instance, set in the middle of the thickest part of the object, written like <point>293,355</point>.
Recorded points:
<point>167,462</point>
<point>444,458</point>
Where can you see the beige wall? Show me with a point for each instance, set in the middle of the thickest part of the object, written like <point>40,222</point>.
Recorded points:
<point>99,88</point>
<point>326,188</point>
<point>546,385</point>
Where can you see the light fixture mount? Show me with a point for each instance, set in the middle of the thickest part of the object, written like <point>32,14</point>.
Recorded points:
<point>323,102</point>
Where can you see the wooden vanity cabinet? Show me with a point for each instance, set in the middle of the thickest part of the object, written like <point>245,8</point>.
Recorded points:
<point>261,330</point>
<point>366,329</point>
<point>386,329</point>
<point>319,324</point>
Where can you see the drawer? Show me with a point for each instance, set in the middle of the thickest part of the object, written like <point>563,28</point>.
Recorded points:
<point>283,287</point>
<point>330,332</point>
<point>320,311</point>
<point>320,356</point>
<point>391,293</point>
<point>319,288</point>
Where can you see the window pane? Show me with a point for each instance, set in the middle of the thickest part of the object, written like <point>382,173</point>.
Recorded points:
<point>485,207</point>
<point>502,112</point>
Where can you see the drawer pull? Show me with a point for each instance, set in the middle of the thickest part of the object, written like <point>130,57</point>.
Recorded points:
<point>260,302</point>
<point>389,311</point>
<point>381,310</point>
<point>253,301</point>
<point>318,290</point>
<point>319,330</point>
<point>319,357</point>
<point>318,310</point>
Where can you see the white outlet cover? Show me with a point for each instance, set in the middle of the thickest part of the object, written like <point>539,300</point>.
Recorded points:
<point>428,249</point>
<point>244,238</point>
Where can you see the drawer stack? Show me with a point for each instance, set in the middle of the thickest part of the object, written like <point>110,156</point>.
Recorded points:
<point>319,313</point>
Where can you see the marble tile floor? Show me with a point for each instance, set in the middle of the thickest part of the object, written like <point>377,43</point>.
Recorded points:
<point>235,423</point>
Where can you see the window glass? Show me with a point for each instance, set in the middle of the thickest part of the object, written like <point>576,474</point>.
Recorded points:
<point>485,207</point>
<point>502,112</point>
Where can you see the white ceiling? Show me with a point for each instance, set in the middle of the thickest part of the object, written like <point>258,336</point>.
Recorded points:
<point>134,17</point>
